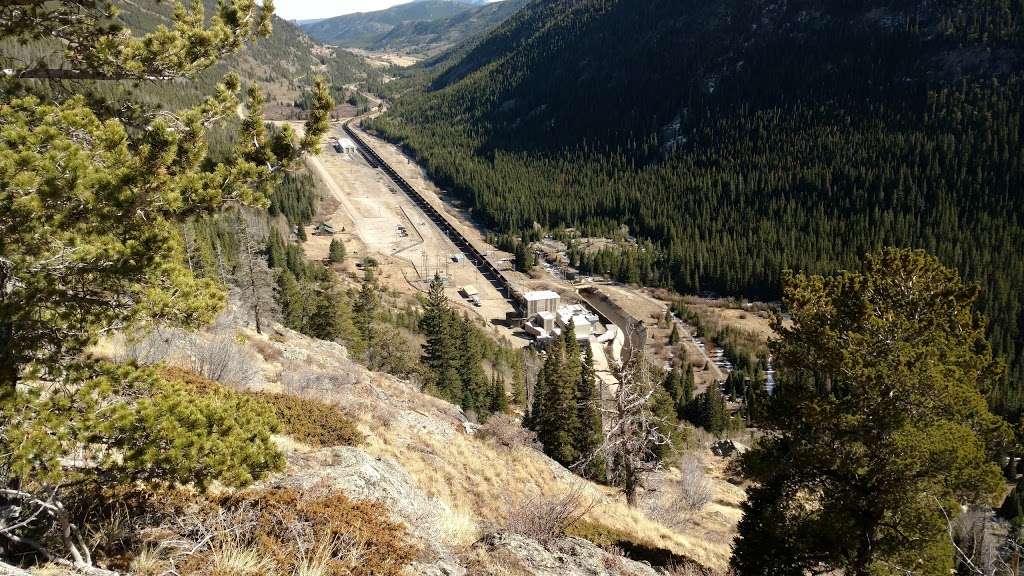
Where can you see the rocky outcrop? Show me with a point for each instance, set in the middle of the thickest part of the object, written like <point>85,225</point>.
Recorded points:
<point>361,476</point>
<point>510,554</point>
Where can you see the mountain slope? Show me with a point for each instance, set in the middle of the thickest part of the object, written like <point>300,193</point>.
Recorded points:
<point>362,29</point>
<point>282,64</point>
<point>742,138</point>
<point>435,36</point>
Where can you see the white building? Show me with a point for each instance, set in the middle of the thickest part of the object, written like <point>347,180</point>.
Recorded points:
<point>541,301</point>
<point>582,320</point>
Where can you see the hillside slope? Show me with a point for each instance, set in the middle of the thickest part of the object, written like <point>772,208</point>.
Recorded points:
<point>363,28</point>
<point>456,488</point>
<point>283,65</point>
<point>430,37</point>
<point>743,138</point>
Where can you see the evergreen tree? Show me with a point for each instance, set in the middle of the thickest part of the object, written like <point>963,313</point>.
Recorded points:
<point>292,299</point>
<point>477,392</point>
<point>714,417</point>
<point>524,259</point>
<point>499,398</point>
<point>878,429</point>
<point>91,207</point>
<point>329,317</point>
<point>519,381</point>
<point>589,433</point>
<point>558,417</point>
<point>663,408</point>
<point>673,337</point>
<point>441,351</point>
<point>365,310</point>
<point>673,384</point>
<point>336,253</point>
<point>686,395</point>
<point>1012,508</point>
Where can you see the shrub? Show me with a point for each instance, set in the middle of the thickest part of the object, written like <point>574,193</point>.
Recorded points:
<point>311,421</point>
<point>290,534</point>
<point>686,496</point>
<point>271,532</point>
<point>133,427</point>
<point>506,431</point>
<point>223,359</point>
<point>544,517</point>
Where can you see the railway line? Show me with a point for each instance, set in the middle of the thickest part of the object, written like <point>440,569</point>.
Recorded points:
<point>486,267</point>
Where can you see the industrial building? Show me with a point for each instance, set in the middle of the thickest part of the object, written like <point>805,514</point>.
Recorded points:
<point>541,301</point>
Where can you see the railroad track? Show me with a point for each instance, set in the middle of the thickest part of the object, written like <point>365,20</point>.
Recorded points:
<point>489,271</point>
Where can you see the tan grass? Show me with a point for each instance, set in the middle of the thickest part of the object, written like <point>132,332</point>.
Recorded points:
<point>464,469</point>
<point>230,559</point>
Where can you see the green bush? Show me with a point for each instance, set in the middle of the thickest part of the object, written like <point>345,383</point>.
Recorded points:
<point>312,422</point>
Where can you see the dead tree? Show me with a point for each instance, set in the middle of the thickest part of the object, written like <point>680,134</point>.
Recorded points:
<point>253,275</point>
<point>631,429</point>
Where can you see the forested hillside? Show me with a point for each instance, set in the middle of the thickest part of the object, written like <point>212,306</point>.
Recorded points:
<point>740,139</point>
<point>283,64</point>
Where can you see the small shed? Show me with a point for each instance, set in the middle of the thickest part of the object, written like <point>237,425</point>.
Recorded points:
<point>469,291</point>
<point>323,229</point>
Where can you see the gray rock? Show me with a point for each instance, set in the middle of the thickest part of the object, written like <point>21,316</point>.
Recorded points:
<point>361,476</point>
<point>562,557</point>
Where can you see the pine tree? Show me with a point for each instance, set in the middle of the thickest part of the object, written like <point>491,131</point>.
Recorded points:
<point>92,203</point>
<point>336,253</point>
<point>292,299</point>
<point>663,408</point>
<point>673,337</point>
<point>545,406</point>
<point>879,423</point>
<point>589,433</point>
<point>499,398</point>
<point>477,392</point>
<point>523,258</point>
<point>558,423</point>
<point>673,383</point>
<point>714,417</point>
<point>441,351</point>
<point>686,394</point>
<point>519,381</point>
<point>573,356</point>
<point>365,310</point>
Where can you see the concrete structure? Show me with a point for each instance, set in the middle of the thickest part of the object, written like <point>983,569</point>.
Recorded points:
<point>546,320</point>
<point>541,301</point>
<point>345,146</point>
<point>469,291</point>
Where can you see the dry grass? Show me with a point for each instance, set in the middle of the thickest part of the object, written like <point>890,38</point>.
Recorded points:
<point>474,476</point>
<point>148,562</point>
<point>463,470</point>
<point>231,559</point>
